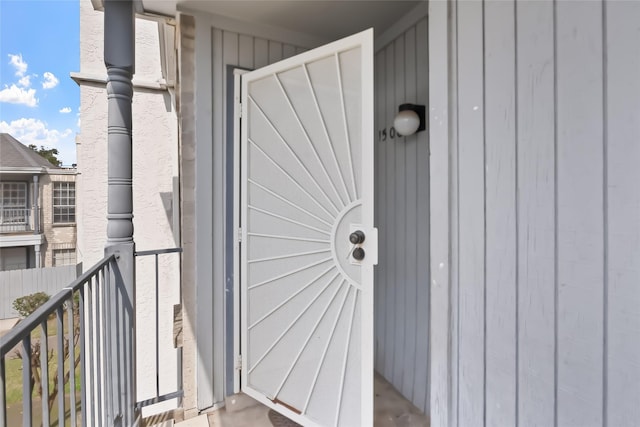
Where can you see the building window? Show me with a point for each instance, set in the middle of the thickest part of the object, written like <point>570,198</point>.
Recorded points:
<point>64,257</point>
<point>64,202</point>
<point>13,195</point>
<point>13,203</point>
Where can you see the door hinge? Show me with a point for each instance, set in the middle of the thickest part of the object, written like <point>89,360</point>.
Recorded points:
<point>238,362</point>
<point>239,110</point>
<point>240,234</point>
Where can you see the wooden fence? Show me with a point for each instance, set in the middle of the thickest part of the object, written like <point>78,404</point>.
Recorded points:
<point>17,283</point>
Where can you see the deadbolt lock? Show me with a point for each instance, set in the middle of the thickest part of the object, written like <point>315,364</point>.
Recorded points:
<point>358,254</point>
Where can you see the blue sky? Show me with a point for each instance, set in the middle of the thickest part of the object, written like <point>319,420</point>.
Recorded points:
<point>39,47</point>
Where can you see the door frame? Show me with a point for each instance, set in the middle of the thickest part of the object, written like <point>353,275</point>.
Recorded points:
<point>232,382</point>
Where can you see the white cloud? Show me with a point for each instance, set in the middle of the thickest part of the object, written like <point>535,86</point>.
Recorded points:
<point>17,95</point>
<point>65,110</point>
<point>37,132</point>
<point>25,81</point>
<point>33,131</point>
<point>50,81</point>
<point>18,63</point>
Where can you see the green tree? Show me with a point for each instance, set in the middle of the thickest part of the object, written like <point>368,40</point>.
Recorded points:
<point>29,303</point>
<point>50,154</point>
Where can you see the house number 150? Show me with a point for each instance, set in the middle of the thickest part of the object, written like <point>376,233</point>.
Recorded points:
<point>382,134</point>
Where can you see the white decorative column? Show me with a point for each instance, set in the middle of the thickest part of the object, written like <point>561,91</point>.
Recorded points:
<point>119,58</point>
<point>36,207</point>
<point>38,256</point>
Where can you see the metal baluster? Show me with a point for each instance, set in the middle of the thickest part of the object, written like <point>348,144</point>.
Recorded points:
<point>91,402</point>
<point>119,322</point>
<point>60,336</point>
<point>26,381</point>
<point>72,362</point>
<point>83,358</point>
<point>157,329</point>
<point>110,328</point>
<point>105,346</point>
<point>99,338</point>
<point>44,368</point>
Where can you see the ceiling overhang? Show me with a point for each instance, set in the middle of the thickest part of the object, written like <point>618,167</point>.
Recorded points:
<point>324,19</point>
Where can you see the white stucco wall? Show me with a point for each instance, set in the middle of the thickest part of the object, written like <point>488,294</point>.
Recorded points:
<point>155,157</point>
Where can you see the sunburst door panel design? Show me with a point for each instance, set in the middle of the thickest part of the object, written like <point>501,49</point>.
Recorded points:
<point>303,180</point>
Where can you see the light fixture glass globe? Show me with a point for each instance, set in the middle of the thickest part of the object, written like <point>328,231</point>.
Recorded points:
<point>406,122</point>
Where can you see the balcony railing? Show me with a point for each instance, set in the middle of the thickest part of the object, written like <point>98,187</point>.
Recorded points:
<point>18,220</point>
<point>70,362</point>
<point>178,392</point>
<point>77,353</point>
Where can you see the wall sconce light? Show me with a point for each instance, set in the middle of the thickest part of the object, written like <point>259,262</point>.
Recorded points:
<point>410,119</point>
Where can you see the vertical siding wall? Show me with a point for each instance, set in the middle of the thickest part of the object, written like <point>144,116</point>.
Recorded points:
<point>246,51</point>
<point>249,52</point>
<point>546,304</point>
<point>402,217</point>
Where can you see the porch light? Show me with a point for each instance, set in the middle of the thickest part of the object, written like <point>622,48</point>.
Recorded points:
<point>410,119</point>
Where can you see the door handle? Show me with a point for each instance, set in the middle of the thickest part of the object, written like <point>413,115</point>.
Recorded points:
<point>357,237</point>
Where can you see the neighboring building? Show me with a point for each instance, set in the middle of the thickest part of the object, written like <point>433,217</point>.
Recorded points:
<point>37,209</point>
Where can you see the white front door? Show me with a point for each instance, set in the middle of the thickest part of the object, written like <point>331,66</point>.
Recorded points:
<point>307,188</point>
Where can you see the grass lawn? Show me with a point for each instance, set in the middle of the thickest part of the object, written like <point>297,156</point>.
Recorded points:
<point>13,375</point>
<point>14,413</point>
<point>13,372</point>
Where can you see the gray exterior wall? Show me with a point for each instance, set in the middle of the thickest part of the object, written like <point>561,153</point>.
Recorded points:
<point>544,131</point>
<point>250,52</point>
<point>402,217</point>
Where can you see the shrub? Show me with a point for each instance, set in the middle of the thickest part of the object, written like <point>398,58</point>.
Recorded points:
<point>29,303</point>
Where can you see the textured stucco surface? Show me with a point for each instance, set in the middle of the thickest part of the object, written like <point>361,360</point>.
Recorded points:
<point>186,95</point>
<point>155,168</point>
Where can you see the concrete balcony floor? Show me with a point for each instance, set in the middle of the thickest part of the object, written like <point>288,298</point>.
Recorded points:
<point>391,410</point>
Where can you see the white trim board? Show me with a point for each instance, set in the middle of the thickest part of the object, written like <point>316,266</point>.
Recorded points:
<point>440,346</point>
<point>204,212</point>
<point>21,240</point>
<point>101,79</point>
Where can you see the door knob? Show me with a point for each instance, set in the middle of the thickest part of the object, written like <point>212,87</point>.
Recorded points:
<point>357,237</point>
<point>358,254</point>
